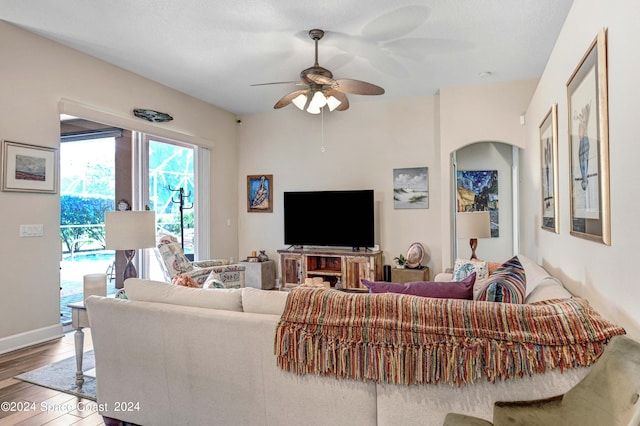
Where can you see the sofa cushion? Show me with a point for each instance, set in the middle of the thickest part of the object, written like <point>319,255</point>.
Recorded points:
<point>161,292</point>
<point>507,284</point>
<point>547,288</point>
<point>263,301</point>
<point>535,273</point>
<point>437,289</point>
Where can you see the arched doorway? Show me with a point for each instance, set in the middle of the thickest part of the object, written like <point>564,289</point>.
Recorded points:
<point>487,170</point>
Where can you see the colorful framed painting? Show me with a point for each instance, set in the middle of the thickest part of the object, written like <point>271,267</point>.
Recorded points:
<point>411,188</point>
<point>589,144</point>
<point>260,193</point>
<point>29,168</point>
<point>549,171</point>
<point>477,190</point>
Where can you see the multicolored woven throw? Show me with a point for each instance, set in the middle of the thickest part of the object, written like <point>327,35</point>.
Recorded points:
<point>396,338</point>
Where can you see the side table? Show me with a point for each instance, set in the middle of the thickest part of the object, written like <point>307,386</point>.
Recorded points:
<point>260,275</point>
<point>406,275</point>
<point>79,320</point>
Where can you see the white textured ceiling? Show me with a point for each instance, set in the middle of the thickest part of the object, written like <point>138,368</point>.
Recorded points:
<point>215,50</point>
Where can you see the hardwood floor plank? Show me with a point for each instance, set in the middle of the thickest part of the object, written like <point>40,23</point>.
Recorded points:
<point>40,405</point>
<point>51,409</point>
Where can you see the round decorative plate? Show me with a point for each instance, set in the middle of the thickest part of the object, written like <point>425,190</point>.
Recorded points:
<point>415,255</point>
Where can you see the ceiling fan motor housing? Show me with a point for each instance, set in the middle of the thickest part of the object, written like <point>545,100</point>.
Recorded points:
<point>315,70</point>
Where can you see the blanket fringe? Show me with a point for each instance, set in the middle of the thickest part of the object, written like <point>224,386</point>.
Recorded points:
<point>349,349</point>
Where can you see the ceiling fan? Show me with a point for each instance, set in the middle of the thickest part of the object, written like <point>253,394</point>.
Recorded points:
<point>321,89</point>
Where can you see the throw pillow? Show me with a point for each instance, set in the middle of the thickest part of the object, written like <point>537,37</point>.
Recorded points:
<point>160,292</point>
<point>508,284</point>
<point>437,289</point>
<point>185,281</point>
<point>463,268</point>
<point>213,282</point>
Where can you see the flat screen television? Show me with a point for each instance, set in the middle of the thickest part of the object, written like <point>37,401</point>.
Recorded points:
<point>329,218</point>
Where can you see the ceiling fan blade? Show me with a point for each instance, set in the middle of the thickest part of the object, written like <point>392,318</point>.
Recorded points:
<point>298,82</point>
<point>286,99</point>
<point>357,87</point>
<point>344,101</point>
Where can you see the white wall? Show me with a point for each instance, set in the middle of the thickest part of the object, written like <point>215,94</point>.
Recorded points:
<point>36,75</point>
<point>362,147</point>
<point>604,275</point>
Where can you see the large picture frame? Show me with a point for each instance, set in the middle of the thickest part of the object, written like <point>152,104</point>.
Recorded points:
<point>260,193</point>
<point>589,144</point>
<point>549,170</point>
<point>29,168</point>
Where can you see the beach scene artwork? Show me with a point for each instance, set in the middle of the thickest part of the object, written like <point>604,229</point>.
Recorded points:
<point>411,188</point>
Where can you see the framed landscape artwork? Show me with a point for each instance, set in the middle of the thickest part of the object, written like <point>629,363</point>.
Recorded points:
<point>549,172</point>
<point>411,188</point>
<point>477,190</point>
<point>589,144</point>
<point>260,193</point>
<point>29,168</point>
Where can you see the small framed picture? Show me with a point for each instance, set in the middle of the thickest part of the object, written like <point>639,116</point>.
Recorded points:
<point>260,193</point>
<point>411,188</point>
<point>549,171</point>
<point>29,168</point>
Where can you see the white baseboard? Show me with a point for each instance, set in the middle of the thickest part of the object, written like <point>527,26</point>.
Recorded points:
<point>29,338</point>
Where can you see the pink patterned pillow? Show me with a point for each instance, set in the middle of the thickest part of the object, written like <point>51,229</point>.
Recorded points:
<point>442,290</point>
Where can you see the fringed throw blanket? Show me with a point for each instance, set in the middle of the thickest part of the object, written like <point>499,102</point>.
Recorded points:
<point>403,339</point>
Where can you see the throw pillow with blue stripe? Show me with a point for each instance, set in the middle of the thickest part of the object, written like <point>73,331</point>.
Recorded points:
<point>507,284</point>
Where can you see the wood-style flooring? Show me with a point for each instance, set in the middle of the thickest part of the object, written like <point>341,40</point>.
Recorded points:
<point>25,404</point>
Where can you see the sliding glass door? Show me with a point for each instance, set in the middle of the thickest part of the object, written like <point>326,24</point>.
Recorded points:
<point>168,169</point>
<point>102,164</point>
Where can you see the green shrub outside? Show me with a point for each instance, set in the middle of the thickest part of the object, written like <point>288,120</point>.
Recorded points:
<point>82,220</point>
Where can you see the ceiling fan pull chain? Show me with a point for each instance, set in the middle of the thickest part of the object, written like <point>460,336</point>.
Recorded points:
<point>322,149</point>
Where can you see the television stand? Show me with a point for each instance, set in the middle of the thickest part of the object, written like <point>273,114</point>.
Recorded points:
<point>332,265</point>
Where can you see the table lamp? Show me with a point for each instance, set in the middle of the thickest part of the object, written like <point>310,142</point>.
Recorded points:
<point>130,230</point>
<point>473,225</point>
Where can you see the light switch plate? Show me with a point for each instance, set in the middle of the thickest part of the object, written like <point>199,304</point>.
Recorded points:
<point>32,230</point>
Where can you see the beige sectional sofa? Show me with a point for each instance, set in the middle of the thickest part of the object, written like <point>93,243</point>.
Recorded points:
<point>174,355</point>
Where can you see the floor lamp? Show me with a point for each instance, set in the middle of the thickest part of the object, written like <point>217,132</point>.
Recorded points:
<point>473,225</point>
<point>129,231</point>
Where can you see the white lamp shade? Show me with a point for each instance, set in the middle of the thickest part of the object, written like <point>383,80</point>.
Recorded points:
<point>333,103</point>
<point>318,101</point>
<point>300,101</point>
<point>473,225</point>
<point>130,230</point>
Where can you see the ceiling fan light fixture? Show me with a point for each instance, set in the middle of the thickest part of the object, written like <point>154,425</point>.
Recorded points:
<point>333,103</point>
<point>312,110</point>
<point>300,101</point>
<point>318,101</point>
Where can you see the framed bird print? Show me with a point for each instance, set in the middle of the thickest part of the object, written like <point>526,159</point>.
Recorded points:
<point>260,193</point>
<point>587,107</point>
<point>549,171</point>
